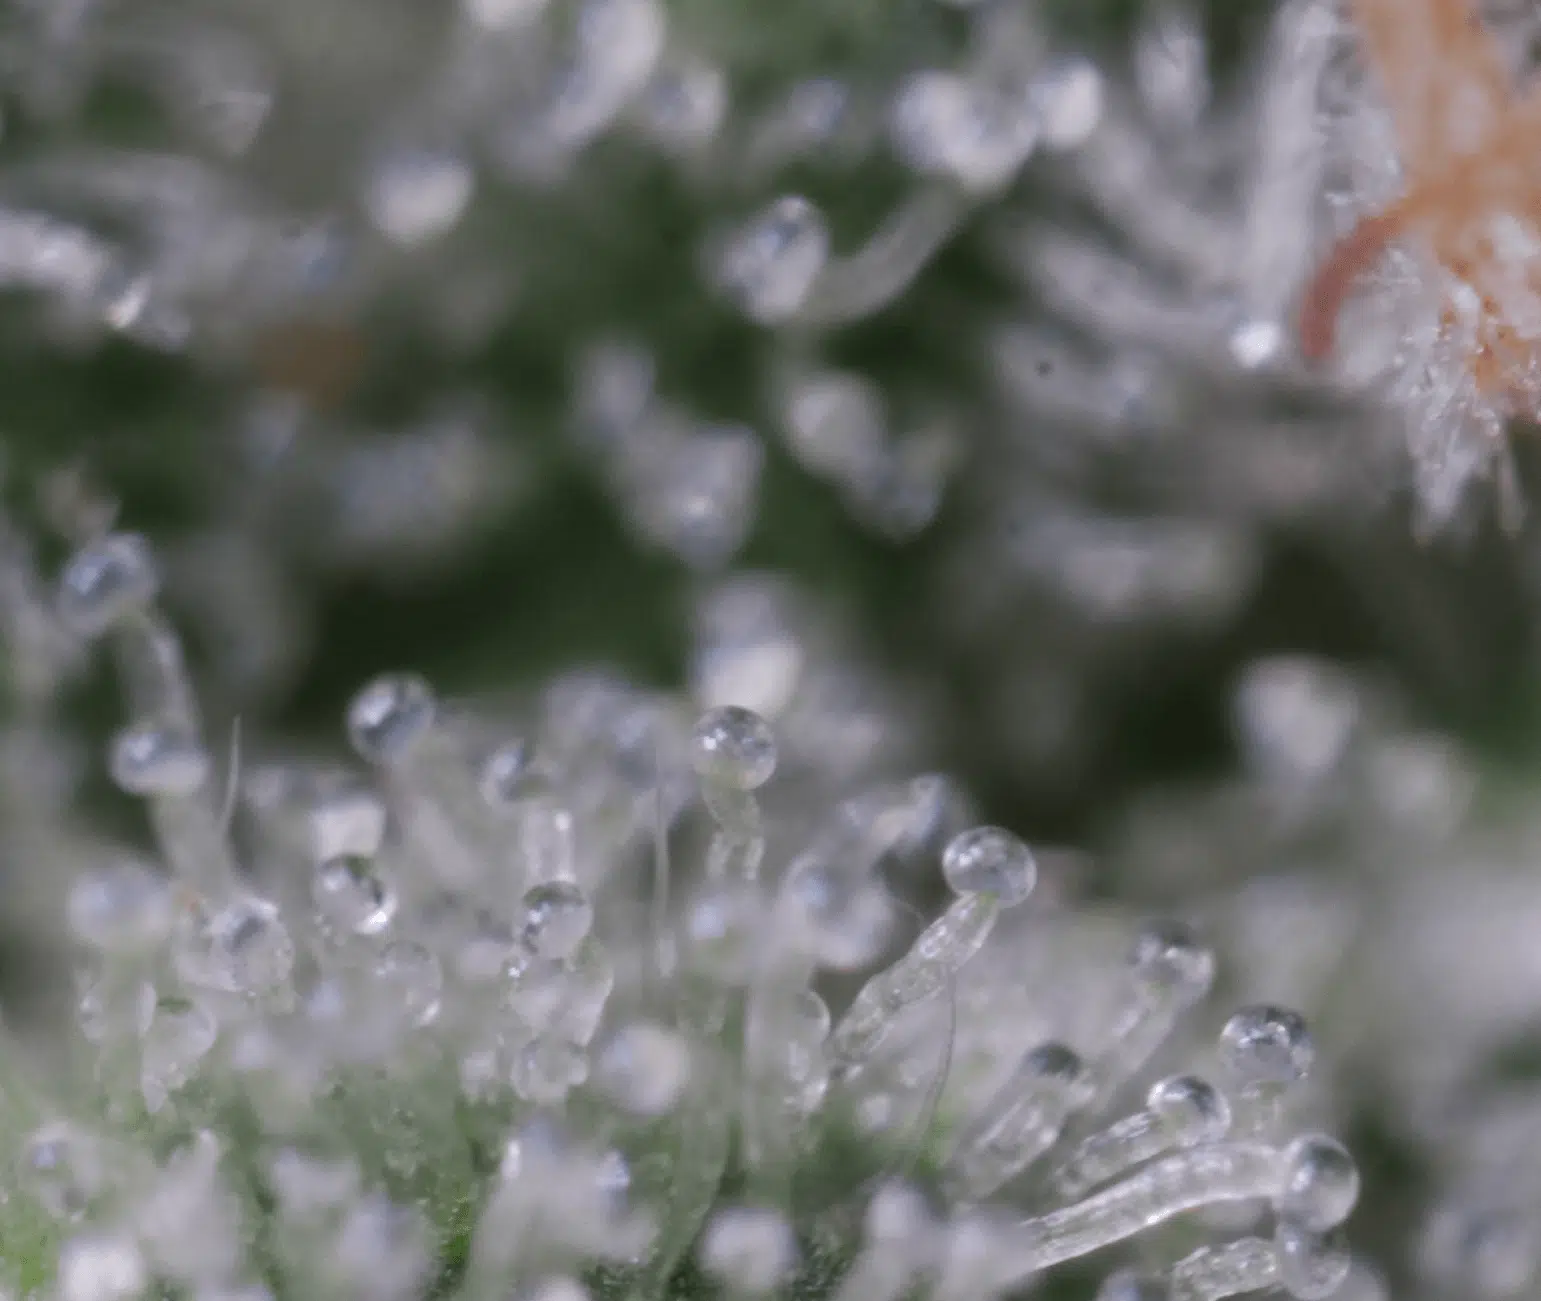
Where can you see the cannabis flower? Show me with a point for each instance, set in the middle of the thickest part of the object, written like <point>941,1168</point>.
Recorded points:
<point>559,1012</point>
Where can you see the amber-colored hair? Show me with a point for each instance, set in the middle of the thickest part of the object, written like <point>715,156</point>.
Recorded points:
<point>1468,144</point>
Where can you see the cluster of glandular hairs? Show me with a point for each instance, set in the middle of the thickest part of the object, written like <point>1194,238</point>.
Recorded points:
<point>1374,882</point>
<point>631,205</point>
<point>1156,334</point>
<point>297,181</point>
<point>545,1014</point>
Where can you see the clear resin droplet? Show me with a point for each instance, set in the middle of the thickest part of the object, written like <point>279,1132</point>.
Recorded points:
<point>1168,958</point>
<point>1266,1044</point>
<point>943,124</point>
<point>352,897</point>
<point>389,717</point>
<point>771,265</point>
<point>987,860</point>
<point>556,919</point>
<point>414,196</point>
<point>548,1069</point>
<point>1191,1110</point>
<point>122,909</point>
<point>749,1249</point>
<point>644,1069</point>
<point>734,748</point>
<point>1321,1183</point>
<point>505,773</point>
<point>240,948</point>
<point>409,977</point>
<point>153,760</point>
<point>60,1167</point>
<point>105,581</point>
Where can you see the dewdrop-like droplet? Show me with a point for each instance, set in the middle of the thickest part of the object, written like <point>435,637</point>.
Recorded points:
<point>547,1069</point>
<point>60,1167</point>
<point>1321,1183</point>
<point>1189,1109</point>
<point>734,748</point>
<point>124,908</point>
<point>1168,957</point>
<point>771,265</point>
<point>987,860</point>
<point>350,895</point>
<point>644,1069</point>
<point>749,1249</point>
<point>153,760</point>
<point>505,773</point>
<point>945,124</point>
<point>240,948</point>
<point>557,916</point>
<point>410,978</point>
<point>389,717</point>
<point>101,1267</point>
<point>416,195</point>
<point>105,581</point>
<point>1070,98</point>
<point>1267,1044</point>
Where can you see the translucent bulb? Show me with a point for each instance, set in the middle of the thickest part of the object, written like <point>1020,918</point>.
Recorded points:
<point>106,580</point>
<point>557,918</point>
<point>242,948</point>
<point>124,908</point>
<point>152,760</point>
<point>389,717</point>
<point>943,123</point>
<point>772,264</point>
<point>1268,1045</point>
<point>735,748</point>
<point>987,860</point>
<point>410,977</point>
<point>414,196</point>
<point>685,105</point>
<point>547,1069</point>
<point>897,1214</point>
<point>505,773</point>
<point>749,1249</point>
<point>644,1069</point>
<point>101,1267</point>
<point>1321,1183</point>
<point>1191,1109</point>
<point>1069,99</point>
<point>1169,958</point>
<point>351,896</point>
<point>59,1166</point>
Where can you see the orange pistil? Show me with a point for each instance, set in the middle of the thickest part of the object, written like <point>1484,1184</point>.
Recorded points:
<point>1468,144</point>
